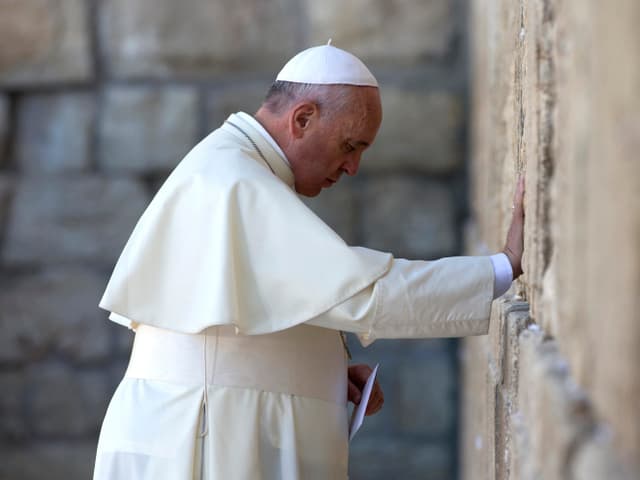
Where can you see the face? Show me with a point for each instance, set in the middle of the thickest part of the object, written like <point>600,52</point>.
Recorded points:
<point>323,149</point>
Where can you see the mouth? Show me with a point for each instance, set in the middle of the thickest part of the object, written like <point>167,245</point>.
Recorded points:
<point>328,182</point>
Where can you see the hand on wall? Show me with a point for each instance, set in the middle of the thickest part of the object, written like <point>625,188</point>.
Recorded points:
<point>514,245</point>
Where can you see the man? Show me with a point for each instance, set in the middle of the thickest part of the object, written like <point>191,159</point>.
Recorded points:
<point>238,293</point>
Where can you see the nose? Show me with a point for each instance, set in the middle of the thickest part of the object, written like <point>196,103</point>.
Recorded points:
<point>351,166</point>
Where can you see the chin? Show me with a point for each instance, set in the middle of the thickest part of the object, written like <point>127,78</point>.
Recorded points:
<point>308,191</point>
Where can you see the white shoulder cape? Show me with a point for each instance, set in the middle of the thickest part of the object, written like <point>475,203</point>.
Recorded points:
<point>227,241</point>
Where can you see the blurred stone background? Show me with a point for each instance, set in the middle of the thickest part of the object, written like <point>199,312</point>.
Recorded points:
<point>99,99</point>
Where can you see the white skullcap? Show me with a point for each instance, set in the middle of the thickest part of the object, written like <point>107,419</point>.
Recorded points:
<point>326,65</point>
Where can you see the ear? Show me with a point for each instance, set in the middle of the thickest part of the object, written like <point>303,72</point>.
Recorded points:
<point>301,119</point>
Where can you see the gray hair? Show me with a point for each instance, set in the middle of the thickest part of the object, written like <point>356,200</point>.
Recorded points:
<point>330,99</point>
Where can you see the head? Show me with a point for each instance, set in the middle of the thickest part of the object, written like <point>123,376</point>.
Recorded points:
<point>322,129</point>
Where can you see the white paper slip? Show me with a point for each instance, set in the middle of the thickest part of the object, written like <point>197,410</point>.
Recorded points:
<point>357,418</point>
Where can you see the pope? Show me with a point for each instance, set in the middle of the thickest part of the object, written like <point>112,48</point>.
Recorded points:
<point>238,294</point>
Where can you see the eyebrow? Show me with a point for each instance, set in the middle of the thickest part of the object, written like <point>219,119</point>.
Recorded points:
<point>360,142</point>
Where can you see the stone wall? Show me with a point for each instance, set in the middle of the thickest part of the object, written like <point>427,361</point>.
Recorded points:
<point>99,99</point>
<point>553,391</point>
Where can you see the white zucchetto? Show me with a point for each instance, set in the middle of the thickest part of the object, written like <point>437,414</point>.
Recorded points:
<point>326,65</point>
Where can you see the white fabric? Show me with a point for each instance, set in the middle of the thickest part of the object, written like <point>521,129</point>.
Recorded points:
<point>503,274</point>
<point>326,65</point>
<point>450,297</point>
<point>266,419</point>
<point>226,241</point>
<point>257,428</point>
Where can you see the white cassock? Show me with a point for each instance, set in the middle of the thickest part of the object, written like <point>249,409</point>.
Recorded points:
<point>237,293</point>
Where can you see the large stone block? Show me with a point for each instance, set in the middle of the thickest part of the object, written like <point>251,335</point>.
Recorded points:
<point>613,230</point>
<point>53,312</point>
<point>337,207</point>
<point>4,126</point>
<point>7,187</point>
<point>61,460</point>
<point>595,214</point>
<point>420,130</point>
<point>243,97</point>
<point>596,458</point>
<point>71,219</point>
<point>165,38</point>
<point>65,401</point>
<point>476,443</point>
<point>147,129</point>
<point>426,391</point>
<point>408,216</point>
<point>385,31</point>
<point>54,132</point>
<point>554,411</point>
<point>381,459</point>
<point>43,42</point>
<point>538,86</point>
<point>12,422</point>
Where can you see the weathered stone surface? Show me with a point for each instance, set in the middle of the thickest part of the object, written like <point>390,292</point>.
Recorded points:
<point>594,238</point>
<point>4,126</point>
<point>554,409</point>
<point>53,461</point>
<point>378,458</point>
<point>80,218</point>
<point>53,311</point>
<point>43,42</point>
<point>420,130</point>
<point>66,401</point>
<point>408,216</point>
<point>54,132</point>
<point>222,102</point>
<point>13,386</point>
<point>538,85</point>
<point>476,441</point>
<point>337,207</point>
<point>613,232</point>
<point>555,94</point>
<point>596,458</point>
<point>386,31</point>
<point>160,38</point>
<point>147,129</point>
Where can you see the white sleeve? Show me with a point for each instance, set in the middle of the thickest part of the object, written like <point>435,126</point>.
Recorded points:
<point>450,297</point>
<point>503,274</point>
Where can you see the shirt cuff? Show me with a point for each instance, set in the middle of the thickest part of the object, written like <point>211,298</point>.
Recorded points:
<point>503,274</point>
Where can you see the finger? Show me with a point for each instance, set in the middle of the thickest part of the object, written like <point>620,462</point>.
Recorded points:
<point>376,400</point>
<point>359,374</point>
<point>518,197</point>
<point>375,405</point>
<point>353,393</point>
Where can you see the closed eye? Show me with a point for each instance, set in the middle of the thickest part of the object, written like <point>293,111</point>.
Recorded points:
<point>348,148</point>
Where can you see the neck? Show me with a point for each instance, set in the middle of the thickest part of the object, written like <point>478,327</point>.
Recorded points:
<point>276,126</point>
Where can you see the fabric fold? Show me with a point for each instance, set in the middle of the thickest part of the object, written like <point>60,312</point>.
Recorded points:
<point>209,249</point>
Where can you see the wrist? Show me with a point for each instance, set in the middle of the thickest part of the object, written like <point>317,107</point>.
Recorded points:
<point>514,260</point>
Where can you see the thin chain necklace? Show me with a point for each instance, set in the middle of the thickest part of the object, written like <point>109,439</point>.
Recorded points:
<point>252,143</point>
<point>342,334</point>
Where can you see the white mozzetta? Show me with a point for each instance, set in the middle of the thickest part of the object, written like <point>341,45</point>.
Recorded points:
<point>227,242</point>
